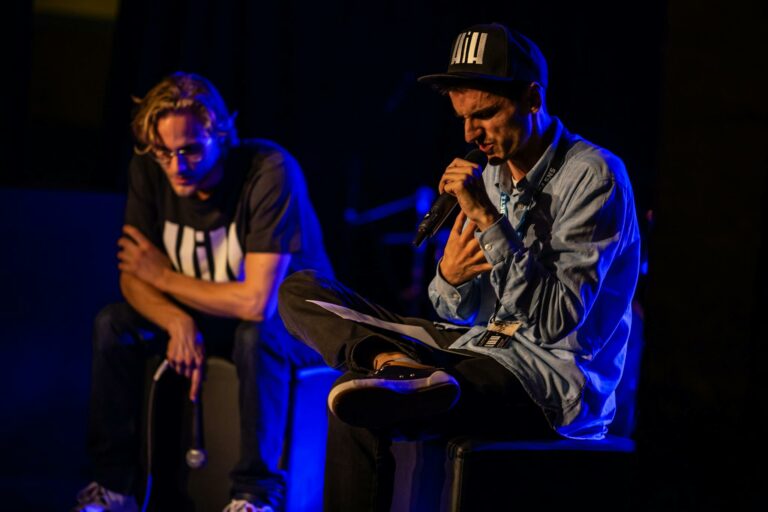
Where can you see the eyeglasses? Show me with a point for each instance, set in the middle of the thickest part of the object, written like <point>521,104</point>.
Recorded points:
<point>192,153</point>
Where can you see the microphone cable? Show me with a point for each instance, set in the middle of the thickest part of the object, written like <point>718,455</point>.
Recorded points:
<point>150,413</point>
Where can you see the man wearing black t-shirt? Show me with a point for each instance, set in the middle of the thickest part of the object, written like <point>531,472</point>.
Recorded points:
<point>212,226</point>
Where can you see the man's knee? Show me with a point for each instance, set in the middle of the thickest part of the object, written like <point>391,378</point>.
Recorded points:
<point>119,326</point>
<point>110,328</point>
<point>294,288</point>
<point>253,337</point>
<point>248,336</point>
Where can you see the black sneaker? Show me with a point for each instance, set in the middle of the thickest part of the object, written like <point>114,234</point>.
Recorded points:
<point>393,395</point>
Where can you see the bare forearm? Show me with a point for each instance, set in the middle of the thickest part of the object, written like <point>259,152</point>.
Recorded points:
<point>152,303</point>
<point>232,299</point>
<point>185,351</point>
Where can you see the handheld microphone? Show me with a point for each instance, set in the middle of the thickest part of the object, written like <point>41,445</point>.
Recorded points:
<point>196,456</point>
<point>444,204</point>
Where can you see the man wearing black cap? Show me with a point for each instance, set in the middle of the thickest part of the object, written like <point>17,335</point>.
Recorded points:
<point>536,279</point>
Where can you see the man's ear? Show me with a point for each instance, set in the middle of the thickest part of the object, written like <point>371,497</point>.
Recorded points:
<point>534,97</point>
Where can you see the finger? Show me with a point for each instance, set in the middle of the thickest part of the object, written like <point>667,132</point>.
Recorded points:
<point>477,169</point>
<point>177,367</point>
<point>185,370</point>
<point>450,187</point>
<point>461,175</point>
<point>478,258</point>
<point>132,231</point>
<point>482,268</point>
<point>136,235</point>
<point>447,183</point>
<point>194,386</point>
<point>124,254</point>
<point>469,232</point>
<point>174,360</point>
<point>458,224</point>
<point>189,367</point>
<point>460,162</point>
<point>452,175</point>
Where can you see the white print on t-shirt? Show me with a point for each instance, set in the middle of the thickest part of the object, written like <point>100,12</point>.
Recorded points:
<point>213,255</point>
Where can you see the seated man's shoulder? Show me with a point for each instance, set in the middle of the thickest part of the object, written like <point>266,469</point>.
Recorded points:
<point>597,162</point>
<point>269,164</point>
<point>267,153</point>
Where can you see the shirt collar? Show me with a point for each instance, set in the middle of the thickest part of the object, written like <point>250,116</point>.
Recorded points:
<point>504,179</point>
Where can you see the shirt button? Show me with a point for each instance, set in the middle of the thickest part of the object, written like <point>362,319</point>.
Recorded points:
<point>456,296</point>
<point>488,247</point>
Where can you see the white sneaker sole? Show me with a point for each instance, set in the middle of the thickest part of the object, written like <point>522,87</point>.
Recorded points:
<point>381,403</point>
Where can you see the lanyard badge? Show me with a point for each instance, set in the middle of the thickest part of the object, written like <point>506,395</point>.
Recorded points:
<point>498,334</point>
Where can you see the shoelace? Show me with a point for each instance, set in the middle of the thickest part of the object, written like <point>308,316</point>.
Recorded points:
<point>391,362</point>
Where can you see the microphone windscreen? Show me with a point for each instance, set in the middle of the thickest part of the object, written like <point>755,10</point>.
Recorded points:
<point>477,157</point>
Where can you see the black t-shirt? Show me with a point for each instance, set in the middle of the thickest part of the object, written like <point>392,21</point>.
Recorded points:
<point>260,205</point>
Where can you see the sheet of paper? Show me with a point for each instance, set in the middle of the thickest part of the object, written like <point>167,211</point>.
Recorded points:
<point>412,331</point>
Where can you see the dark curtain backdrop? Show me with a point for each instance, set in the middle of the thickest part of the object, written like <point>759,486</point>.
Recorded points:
<point>335,83</point>
<point>16,52</point>
<point>705,357</point>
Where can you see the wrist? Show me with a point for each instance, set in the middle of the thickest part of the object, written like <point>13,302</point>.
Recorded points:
<point>487,219</point>
<point>178,324</point>
<point>163,279</point>
<point>449,277</point>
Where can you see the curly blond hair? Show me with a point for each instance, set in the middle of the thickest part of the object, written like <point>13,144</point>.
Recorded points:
<point>182,92</point>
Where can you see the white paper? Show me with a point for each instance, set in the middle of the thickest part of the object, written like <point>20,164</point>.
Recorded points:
<point>412,331</point>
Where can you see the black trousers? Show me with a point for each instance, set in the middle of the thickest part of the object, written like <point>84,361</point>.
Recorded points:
<point>265,357</point>
<point>359,464</point>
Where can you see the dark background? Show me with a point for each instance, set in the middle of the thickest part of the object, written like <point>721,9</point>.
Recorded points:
<point>677,89</point>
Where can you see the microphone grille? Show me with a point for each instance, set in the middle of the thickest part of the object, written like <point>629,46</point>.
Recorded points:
<point>196,458</point>
<point>477,157</point>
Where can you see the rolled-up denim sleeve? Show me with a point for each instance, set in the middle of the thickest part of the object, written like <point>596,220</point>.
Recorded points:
<point>457,304</point>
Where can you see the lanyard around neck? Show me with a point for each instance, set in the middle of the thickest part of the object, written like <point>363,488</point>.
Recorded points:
<point>557,162</point>
<point>554,166</point>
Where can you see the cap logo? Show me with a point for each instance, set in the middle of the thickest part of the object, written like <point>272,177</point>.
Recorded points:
<point>469,48</point>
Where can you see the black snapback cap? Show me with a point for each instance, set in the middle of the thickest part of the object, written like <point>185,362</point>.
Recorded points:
<point>491,53</point>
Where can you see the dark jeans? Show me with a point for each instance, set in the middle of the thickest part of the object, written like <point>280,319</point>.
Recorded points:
<point>359,464</point>
<point>264,355</point>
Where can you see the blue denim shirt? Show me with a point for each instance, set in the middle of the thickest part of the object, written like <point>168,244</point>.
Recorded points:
<point>569,280</point>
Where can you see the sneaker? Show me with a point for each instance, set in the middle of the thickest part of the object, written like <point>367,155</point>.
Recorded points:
<point>246,506</point>
<point>393,395</point>
<point>95,498</point>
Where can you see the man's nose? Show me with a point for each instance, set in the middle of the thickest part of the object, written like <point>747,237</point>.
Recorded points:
<point>472,130</point>
<point>178,163</point>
